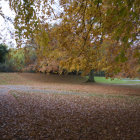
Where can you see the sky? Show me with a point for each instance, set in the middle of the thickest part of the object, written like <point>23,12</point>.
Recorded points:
<point>6,26</point>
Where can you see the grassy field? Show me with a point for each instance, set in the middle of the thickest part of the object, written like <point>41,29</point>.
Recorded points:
<point>49,107</point>
<point>116,81</point>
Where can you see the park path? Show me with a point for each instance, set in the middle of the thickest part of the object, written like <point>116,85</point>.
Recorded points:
<point>76,89</point>
<point>4,89</point>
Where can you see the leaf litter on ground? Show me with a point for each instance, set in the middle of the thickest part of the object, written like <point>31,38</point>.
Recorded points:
<point>54,116</point>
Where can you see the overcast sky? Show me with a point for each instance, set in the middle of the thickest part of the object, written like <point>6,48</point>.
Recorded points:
<point>6,27</point>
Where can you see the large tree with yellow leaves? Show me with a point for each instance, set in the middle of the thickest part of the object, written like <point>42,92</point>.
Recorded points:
<point>93,35</point>
<point>102,35</point>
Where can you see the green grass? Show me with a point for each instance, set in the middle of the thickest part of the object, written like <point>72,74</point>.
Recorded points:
<point>115,81</point>
<point>102,95</point>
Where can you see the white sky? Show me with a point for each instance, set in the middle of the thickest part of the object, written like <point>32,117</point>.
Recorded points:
<point>6,26</point>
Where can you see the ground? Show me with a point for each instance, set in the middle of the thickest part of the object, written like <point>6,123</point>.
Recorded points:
<point>52,107</point>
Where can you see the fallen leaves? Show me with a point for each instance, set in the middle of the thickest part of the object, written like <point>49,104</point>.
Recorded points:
<point>49,116</point>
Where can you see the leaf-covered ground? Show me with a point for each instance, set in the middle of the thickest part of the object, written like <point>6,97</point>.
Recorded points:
<point>66,83</point>
<point>41,116</point>
<point>68,111</point>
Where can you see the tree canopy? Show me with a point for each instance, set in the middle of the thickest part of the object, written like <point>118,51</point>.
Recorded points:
<point>91,35</point>
<point>102,35</point>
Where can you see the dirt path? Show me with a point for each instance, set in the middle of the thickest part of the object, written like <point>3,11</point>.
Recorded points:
<point>73,89</point>
<point>31,89</point>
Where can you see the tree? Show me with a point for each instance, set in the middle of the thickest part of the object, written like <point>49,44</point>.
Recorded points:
<point>93,34</point>
<point>104,35</point>
<point>3,52</point>
<point>48,51</point>
<point>16,59</point>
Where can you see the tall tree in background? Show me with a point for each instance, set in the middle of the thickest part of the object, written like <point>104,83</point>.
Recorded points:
<point>3,52</point>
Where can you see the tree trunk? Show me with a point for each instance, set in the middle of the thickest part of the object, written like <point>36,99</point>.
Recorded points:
<point>91,76</point>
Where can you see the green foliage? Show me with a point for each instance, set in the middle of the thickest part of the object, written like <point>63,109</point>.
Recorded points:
<point>116,81</point>
<point>16,59</point>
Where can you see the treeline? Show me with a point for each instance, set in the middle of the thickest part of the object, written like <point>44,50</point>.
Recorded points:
<point>17,60</point>
<point>25,60</point>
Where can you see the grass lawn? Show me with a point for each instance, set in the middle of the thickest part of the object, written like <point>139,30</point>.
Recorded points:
<point>116,81</point>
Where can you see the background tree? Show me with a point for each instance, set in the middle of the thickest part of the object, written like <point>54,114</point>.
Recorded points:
<point>15,59</point>
<point>3,52</point>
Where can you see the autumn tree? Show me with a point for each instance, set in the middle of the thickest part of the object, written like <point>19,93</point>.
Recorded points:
<point>102,35</point>
<point>94,35</point>
<point>31,26</point>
